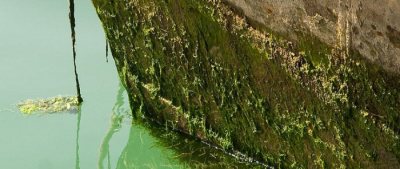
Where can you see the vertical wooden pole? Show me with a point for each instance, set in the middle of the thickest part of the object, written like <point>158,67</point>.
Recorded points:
<point>72,22</point>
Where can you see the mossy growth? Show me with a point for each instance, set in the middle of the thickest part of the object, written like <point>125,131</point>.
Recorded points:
<point>49,105</point>
<point>195,66</point>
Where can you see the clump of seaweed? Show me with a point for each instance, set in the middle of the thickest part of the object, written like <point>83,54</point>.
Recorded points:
<point>49,105</point>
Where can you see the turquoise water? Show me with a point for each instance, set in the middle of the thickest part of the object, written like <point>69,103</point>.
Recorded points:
<point>36,62</point>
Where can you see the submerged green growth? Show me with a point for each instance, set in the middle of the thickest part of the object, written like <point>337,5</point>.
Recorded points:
<point>50,105</point>
<point>197,67</point>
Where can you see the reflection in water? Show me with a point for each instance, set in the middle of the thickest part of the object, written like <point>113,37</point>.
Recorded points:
<point>139,141</point>
<point>141,151</point>
<point>116,119</point>
<point>149,146</point>
<point>78,126</point>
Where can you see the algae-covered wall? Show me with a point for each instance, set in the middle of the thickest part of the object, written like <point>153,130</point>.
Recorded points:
<point>199,67</point>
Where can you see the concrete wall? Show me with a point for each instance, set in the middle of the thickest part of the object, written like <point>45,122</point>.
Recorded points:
<point>369,26</point>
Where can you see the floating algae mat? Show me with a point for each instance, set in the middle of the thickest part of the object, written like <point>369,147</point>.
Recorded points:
<point>50,105</point>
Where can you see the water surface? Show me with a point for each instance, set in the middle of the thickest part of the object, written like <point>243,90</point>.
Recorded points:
<point>36,62</point>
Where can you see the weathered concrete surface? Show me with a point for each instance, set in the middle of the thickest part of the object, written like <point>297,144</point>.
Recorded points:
<point>372,26</point>
<point>199,67</point>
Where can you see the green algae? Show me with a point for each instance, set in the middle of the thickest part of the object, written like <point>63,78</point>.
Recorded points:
<point>217,78</point>
<point>49,105</point>
<point>189,151</point>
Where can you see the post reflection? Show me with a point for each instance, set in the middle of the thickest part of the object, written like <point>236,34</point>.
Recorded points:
<point>116,119</point>
<point>78,126</point>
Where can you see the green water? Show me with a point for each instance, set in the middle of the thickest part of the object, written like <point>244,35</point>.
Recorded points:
<point>36,62</point>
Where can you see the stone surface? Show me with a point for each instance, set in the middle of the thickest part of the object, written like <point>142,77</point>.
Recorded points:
<point>199,67</point>
<point>373,26</point>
